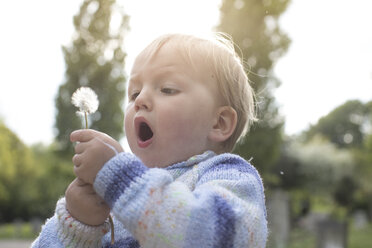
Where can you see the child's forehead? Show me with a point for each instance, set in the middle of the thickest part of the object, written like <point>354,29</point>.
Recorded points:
<point>169,48</point>
<point>186,50</point>
<point>155,73</point>
<point>167,58</point>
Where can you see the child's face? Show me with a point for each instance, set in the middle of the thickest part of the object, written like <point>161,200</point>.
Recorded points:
<point>171,110</point>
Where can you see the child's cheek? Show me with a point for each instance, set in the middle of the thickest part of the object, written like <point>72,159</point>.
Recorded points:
<point>179,130</point>
<point>128,126</point>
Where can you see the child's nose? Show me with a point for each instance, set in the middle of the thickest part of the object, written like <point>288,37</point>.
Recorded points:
<point>143,101</point>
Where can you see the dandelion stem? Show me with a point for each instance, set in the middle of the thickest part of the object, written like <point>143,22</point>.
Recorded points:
<point>112,230</point>
<point>110,218</point>
<point>86,119</point>
<point>86,100</point>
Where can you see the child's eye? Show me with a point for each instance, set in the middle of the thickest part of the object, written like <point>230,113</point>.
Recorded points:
<point>168,91</point>
<point>133,96</point>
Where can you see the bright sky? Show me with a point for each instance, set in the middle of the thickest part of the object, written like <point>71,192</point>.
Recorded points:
<point>329,60</point>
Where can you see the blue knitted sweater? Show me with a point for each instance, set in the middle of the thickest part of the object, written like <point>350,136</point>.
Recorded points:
<point>207,201</point>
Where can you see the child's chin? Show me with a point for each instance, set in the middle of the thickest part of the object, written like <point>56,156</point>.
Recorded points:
<point>155,163</point>
<point>146,158</point>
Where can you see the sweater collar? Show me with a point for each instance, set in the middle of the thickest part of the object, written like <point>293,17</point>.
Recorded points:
<point>193,160</point>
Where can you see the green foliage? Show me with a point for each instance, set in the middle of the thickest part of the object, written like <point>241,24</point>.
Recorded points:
<point>254,27</point>
<point>288,172</point>
<point>357,238</point>
<point>320,167</point>
<point>18,173</point>
<point>364,160</point>
<point>344,125</point>
<point>31,180</point>
<point>363,172</point>
<point>345,191</point>
<point>95,59</point>
<point>55,175</point>
<point>360,237</point>
<point>322,162</point>
<point>349,127</point>
<point>300,238</point>
<point>20,231</point>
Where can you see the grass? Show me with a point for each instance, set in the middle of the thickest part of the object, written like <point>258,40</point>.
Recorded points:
<point>358,238</point>
<point>300,238</point>
<point>17,231</point>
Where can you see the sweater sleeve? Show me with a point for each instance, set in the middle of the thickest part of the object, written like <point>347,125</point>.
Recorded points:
<point>62,230</point>
<point>225,208</point>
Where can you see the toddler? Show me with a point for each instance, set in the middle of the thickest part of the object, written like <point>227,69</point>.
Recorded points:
<point>189,102</point>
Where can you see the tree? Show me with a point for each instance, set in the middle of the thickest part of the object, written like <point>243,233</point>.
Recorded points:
<point>55,174</point>
<point>253,25</point>
<point>17,174</point>
<point>364,174</point>
<point>345,125</point>
<point>31,180</point>
<point>348,129</point>
<point>95,59</point>
<point>319,169</point>
<point>320,162</point>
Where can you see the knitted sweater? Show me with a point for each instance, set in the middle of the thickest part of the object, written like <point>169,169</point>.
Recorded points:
<point>207,201</point>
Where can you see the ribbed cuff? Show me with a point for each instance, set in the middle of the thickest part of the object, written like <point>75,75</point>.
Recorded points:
<point>117,175</point>
<point>73,233</point>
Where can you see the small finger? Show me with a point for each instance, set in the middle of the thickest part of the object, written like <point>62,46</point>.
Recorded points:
<point>76,172</point>
<point>76,160</point>
<point>87,186</point>
<point>80,147</point>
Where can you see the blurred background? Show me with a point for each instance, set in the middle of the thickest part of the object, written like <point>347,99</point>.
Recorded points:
<point>310,63</point>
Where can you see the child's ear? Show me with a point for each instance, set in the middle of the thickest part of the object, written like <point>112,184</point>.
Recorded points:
<point>224,126</point>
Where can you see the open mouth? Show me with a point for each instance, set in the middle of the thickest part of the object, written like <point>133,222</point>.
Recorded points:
<point>144,132</point>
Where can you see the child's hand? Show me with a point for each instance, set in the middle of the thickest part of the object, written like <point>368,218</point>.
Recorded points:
<point>85,205</point>
<point>92,152</point>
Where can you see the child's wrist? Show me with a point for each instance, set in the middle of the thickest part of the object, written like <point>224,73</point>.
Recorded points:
<point>73,232</point>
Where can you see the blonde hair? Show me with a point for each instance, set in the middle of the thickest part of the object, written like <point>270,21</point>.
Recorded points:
<point>219,55</point>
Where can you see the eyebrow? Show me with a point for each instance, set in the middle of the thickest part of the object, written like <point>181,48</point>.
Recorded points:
<point>134,79</point>
<point>159,73</point>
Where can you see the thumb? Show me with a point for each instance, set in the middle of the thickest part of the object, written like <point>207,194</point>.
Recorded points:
<point>82,135</point>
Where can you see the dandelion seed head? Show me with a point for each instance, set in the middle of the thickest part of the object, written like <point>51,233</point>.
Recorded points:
<point>86,100</point>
